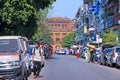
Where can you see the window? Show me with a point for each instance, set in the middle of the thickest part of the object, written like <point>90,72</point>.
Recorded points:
<point>57,39</point>
<point>118,50</point>
<point>51,24</point>
<point>8,45</point>
<point>55,24</point>
<point>64,34</point>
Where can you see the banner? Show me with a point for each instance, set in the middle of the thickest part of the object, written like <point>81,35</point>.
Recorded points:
<point>85,29</point>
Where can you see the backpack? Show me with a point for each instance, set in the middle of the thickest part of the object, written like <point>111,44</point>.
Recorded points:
<point>39,50</point>
<point>40,55</point>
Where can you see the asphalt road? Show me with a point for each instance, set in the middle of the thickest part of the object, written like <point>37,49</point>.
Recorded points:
<point>70,68</point>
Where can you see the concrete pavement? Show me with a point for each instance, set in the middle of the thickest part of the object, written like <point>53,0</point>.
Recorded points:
<point>70,68</point>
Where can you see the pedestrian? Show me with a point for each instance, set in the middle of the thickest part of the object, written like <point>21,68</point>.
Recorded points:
<point>45,51</point>
<point>92,55</point>
<point>78,53</point>
<point>88,55</point>
<point>70,52</point>
<point>37,55</point>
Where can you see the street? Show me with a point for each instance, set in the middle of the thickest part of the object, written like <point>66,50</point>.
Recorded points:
<point>70,68</point>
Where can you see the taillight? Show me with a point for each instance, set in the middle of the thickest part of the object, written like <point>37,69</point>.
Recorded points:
<point>113,55</point>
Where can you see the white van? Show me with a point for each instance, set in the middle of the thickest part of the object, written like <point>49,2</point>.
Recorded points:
<point>12,62</point>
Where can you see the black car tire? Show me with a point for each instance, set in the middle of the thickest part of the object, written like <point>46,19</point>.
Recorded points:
<point>29,71</point>
<point>25,77</point>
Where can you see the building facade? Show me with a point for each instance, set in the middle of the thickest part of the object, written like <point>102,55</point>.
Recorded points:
<point>59,27</point>
<point>98,16</point>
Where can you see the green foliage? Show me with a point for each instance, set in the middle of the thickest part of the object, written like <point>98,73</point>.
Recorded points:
<point>15,11</point>
<point>68,40</point>
<point>109,38</point>
<point>42,34</point>
<point>19,17</point>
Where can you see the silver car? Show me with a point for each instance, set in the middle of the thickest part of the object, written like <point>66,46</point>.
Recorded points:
<point>112,58</point>
<point>118,61</point>
<point>12,58</point>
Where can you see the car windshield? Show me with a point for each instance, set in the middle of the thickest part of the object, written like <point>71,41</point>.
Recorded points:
<point>7,45</point>
<point>118,50</point>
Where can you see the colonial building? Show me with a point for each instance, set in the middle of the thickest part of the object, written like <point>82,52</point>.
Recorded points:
<point>60,27</point>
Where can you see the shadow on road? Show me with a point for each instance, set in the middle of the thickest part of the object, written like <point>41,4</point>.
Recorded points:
<point>54,58</point>
<point>41,76</point>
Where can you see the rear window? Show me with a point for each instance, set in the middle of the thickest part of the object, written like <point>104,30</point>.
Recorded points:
<point>107,50</point>
<point>8,45</point>
<point>118,50</point>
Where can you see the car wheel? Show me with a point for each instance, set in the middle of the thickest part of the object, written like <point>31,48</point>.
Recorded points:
<point>25,77</point>
<point>117,66</point>
<point>100,62</point>
<point>110,65</point>
<point>107,64</point>
<point>28,73</point>
<point>113,65</point>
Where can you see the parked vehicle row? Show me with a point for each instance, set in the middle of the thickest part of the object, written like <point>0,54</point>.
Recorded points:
<point>111,56</point>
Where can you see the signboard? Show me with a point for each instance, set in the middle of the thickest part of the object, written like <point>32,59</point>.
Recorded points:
<point>110,21</point>
<point>85,29</point>
<point>91,8</point>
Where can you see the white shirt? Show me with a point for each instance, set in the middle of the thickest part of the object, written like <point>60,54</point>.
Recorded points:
<point>37,56</point>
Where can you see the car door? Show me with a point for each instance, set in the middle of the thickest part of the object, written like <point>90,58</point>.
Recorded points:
<point>22,48</point>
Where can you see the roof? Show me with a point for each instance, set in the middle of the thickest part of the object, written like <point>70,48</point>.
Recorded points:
<point>116,47</point>
<point>58,20</point>
<point>10,37</point>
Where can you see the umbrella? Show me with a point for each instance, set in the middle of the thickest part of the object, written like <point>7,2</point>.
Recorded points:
<point>91,46</point>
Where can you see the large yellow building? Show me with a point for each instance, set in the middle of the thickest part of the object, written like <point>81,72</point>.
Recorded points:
<point>60,27</point>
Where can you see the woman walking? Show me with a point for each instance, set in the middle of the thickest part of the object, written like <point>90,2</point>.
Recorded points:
<point>78,53</point>
<point>88,55</point>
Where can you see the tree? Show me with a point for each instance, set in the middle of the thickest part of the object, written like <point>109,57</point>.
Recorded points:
<point>68,40</point>
<point>43,34</point>
<point>18,17</point>
<point>109,38</point>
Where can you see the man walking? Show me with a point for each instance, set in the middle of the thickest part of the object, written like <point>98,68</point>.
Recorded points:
<point>37,54</point>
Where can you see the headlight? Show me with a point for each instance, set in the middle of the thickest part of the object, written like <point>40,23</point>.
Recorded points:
<point>15,63</point>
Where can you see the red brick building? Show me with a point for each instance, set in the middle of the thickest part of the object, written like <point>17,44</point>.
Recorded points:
<point>60,27</point>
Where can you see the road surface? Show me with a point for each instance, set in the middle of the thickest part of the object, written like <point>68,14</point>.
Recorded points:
<point>70,68</point>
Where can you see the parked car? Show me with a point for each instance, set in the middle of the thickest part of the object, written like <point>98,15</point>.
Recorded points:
<point>30,56</point>
<point>112,58</point>
<point>12,58</point>
<point>104,56</point>
<point>97,55</point>
<point>118,61</point>
<point>60,52</point>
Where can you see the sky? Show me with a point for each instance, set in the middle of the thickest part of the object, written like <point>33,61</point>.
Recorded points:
<point>65,8</point>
